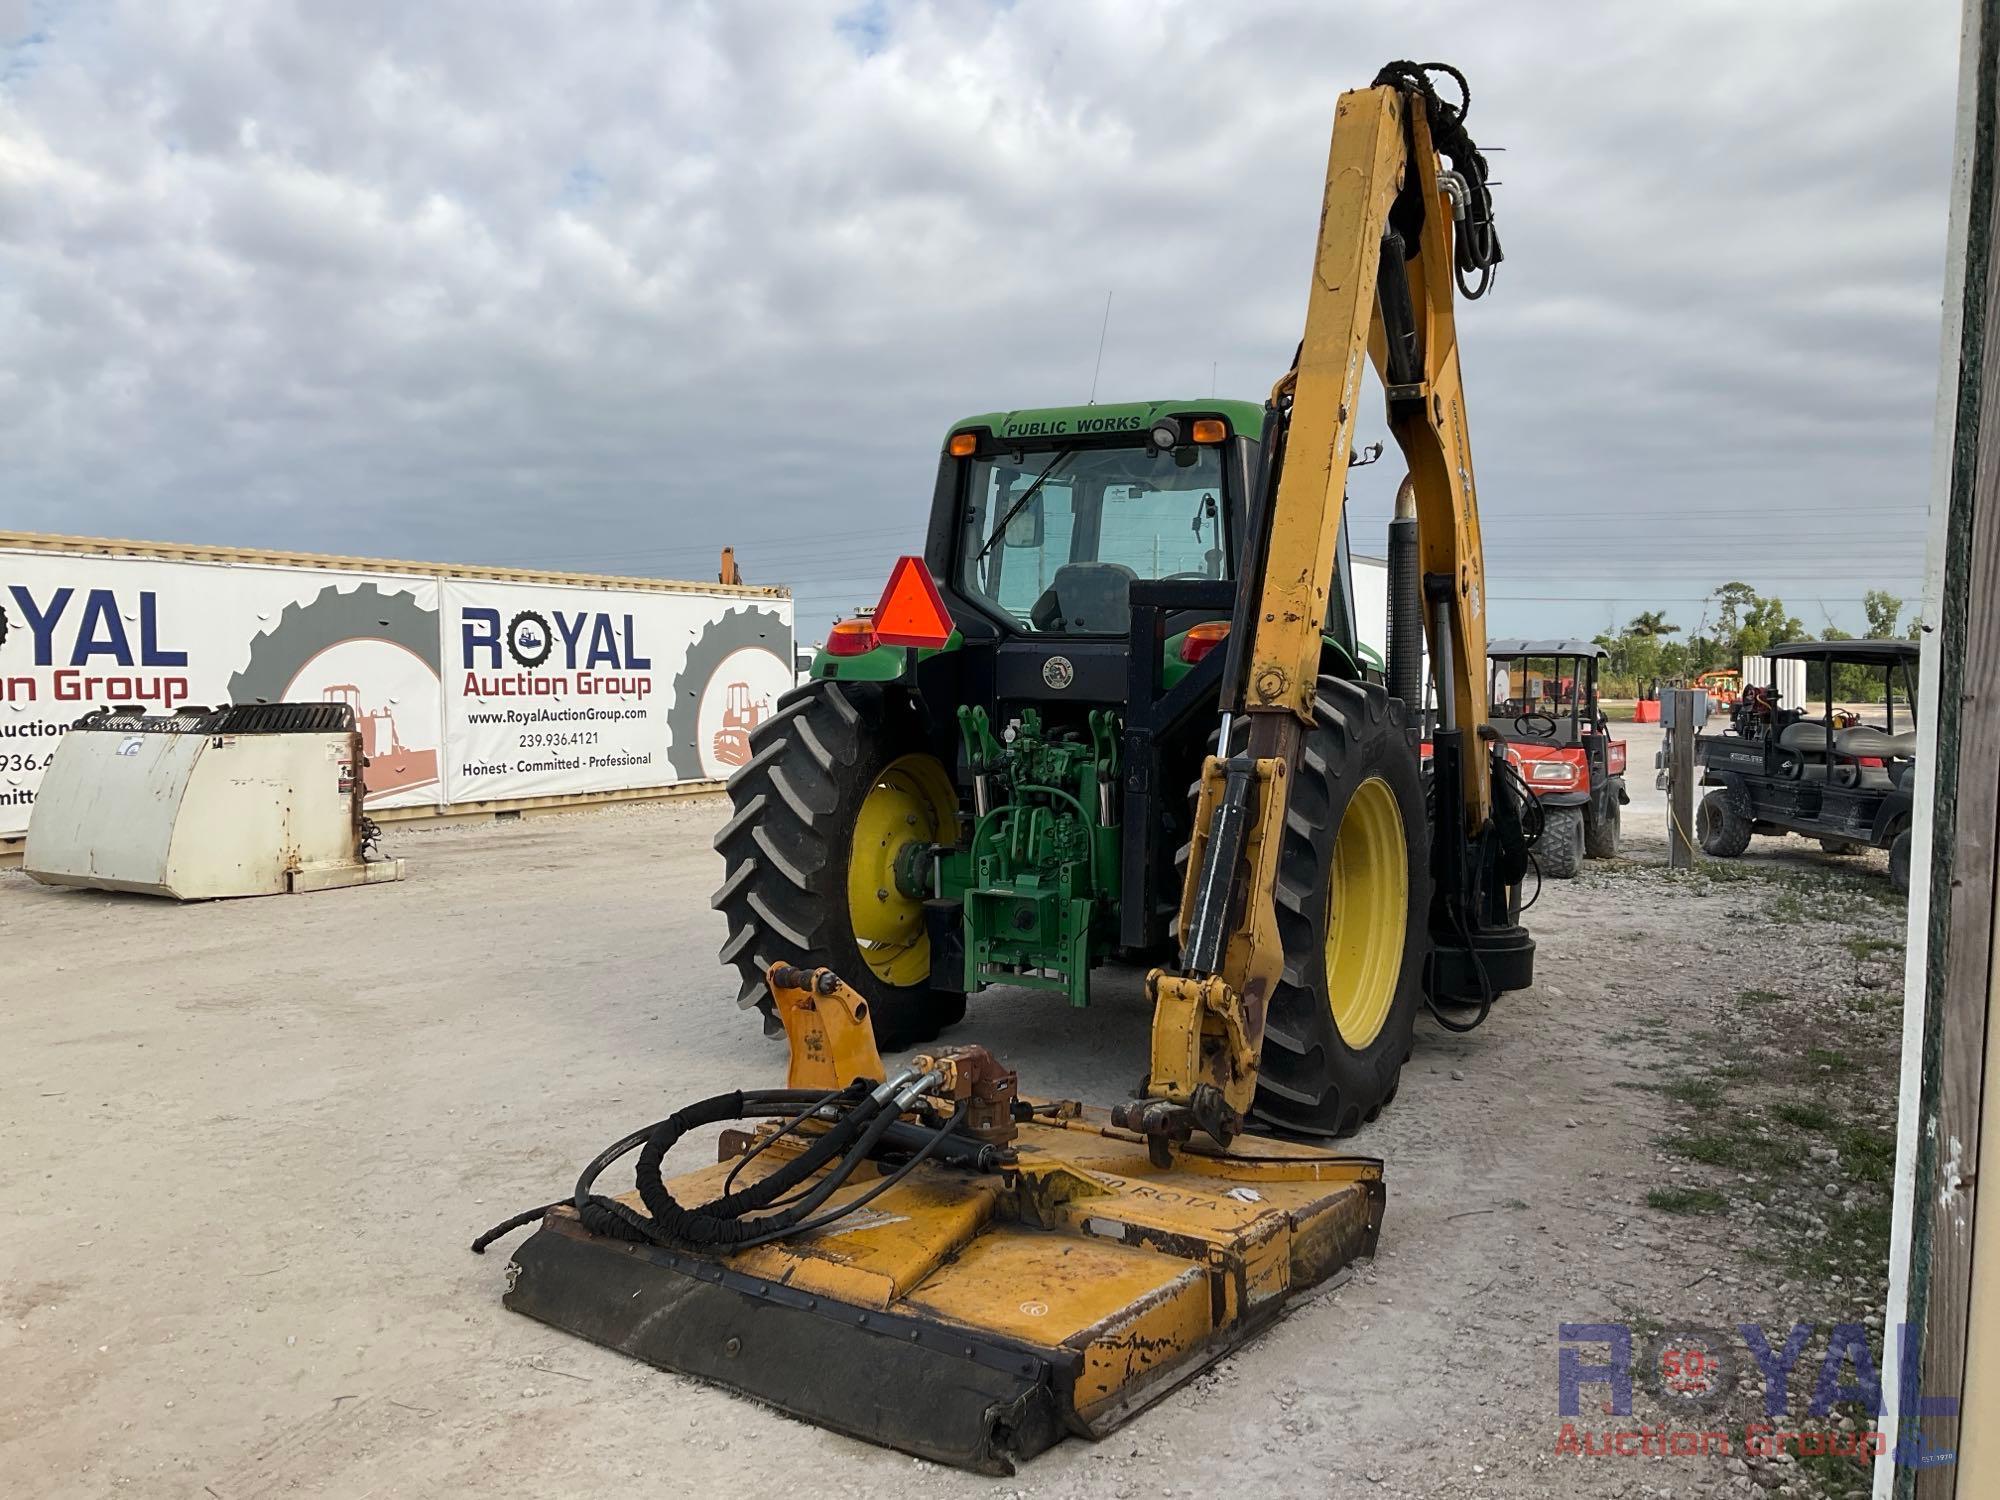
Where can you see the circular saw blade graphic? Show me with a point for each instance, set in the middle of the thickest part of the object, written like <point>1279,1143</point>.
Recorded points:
<point>308,630</point>
<point>700,675</point>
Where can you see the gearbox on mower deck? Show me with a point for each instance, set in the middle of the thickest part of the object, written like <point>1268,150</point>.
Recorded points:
<point>962,1274</point>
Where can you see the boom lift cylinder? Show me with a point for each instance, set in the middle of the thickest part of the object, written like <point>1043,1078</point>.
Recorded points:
<point>1406,601</point>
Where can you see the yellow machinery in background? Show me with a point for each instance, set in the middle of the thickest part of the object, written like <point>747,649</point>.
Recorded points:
<point>923,1258</point>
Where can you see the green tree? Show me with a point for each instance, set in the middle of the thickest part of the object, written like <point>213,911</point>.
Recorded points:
<point>1652,623</point>
<point>1732,602</point>
<point>1883,610</point>
<point>1703,652</point>
<point>1765,624</point>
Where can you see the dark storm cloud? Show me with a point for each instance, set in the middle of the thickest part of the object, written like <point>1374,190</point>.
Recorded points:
<point>608,287</point>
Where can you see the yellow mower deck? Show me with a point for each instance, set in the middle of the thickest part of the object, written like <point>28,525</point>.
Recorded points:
<point>975,1318</point>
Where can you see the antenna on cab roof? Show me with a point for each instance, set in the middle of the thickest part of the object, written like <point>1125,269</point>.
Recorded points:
<point>1094,369</point>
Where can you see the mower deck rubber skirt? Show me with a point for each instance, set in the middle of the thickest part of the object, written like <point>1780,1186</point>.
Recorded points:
<point>872,1375</point>
<point>975,1319</point>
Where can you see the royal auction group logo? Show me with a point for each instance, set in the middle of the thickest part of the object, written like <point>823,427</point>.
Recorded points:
<point>1690,1371</point>
<point>529,639</point>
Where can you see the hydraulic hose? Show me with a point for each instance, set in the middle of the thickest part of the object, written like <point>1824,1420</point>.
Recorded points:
<point>867,1120</point>
<point>606,1216</point>
<point>924,1153</point>
<point>720,1223</point>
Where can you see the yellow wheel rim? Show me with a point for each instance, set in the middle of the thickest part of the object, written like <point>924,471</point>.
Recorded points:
<point>911,802</point>
<point>1367,913</point>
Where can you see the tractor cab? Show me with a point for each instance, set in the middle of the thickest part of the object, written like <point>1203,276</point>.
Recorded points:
<point>1834,766</point>
<point>1542,699</point>
<point>1057,534</point>
<point>1082,564</point>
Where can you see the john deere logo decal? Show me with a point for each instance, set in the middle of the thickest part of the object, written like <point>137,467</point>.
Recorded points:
<point>1058,673</point>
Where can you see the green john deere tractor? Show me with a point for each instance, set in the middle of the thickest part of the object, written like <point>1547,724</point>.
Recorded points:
<point>1012,807</point>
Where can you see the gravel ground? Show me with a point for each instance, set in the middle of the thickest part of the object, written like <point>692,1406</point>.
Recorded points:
<point>248,1142</point>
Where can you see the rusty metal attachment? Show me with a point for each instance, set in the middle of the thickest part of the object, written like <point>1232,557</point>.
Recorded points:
<point>975,1078</point>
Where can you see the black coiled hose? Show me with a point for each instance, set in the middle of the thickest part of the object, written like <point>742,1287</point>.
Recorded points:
<point>861,1120</point>
<point>1477,250</point>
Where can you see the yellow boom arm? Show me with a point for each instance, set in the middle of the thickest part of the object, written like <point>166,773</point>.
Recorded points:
<point>1375,295</point>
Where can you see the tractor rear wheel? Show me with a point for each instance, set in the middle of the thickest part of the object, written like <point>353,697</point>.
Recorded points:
<point>1899,863</point>
<point>1559,851</point>
<point>827,810</point>
<point>1353,900</point>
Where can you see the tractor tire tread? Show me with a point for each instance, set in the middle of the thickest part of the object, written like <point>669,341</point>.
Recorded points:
<point>761,757</point>
<point>785,848</point>
<point>746,813</point>
<point>1311,1082</point>
<point>793,871</point>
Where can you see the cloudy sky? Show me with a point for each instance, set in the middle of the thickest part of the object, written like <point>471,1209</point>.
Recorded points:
<point>605,286</point>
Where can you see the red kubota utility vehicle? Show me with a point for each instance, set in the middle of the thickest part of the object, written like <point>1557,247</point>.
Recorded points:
<point>1544,704</point>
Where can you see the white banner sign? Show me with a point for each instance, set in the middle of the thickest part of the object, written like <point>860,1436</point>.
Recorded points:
<point>464,691</point>
<point>557,690</point>
<point>78,633</point>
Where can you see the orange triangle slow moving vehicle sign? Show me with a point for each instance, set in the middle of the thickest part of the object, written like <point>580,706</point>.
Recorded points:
<point>912,612</point>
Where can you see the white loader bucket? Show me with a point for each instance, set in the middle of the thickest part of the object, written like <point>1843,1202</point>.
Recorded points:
<point>250,801</point>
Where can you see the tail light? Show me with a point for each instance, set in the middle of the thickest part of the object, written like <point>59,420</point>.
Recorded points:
<point>850,638</point>
<point>1202,639</point>
<point>1615,758</point>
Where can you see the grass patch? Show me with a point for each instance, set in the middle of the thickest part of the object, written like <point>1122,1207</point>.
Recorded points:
<point>1826,1057</point>
<point>1803,1114</point>
<point>1856,1242</point>
<point>1868,947</point>
<point>1687,1201</point>
<point>1714,1149</point>
<point>1836,1476</point>
<point>1761,997</point>
<point>1790,908</point>
<point>1701,1092</point>
<point>1869,1155</point>
<point>1719,872</point>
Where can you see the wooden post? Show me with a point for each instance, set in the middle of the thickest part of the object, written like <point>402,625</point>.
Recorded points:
<point>1947,1361</point>
<point>1677,710</point>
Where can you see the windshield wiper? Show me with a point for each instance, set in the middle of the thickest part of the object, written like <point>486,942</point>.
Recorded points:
<point>1027,495</point>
